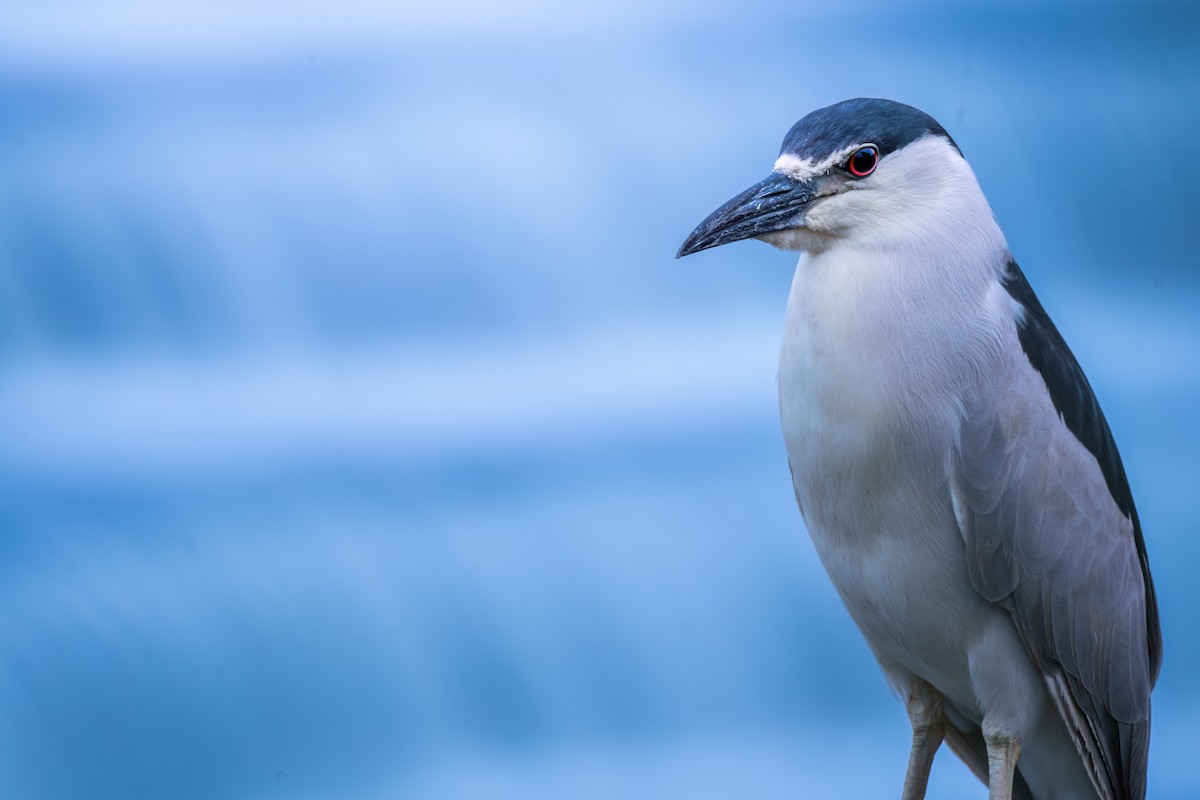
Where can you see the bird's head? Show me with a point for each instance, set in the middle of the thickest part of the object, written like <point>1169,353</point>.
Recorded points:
<point>861,169</point>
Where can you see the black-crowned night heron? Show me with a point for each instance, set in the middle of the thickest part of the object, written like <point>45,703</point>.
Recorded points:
<point>951,463</point>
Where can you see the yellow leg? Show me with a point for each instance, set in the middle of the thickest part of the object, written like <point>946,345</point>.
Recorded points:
<point>924,704</point>
<point>1003,751</point>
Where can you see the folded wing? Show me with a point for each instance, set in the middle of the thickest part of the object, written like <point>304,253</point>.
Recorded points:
<point>1052,536</point>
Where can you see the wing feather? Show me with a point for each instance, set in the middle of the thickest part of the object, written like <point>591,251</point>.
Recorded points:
<point>1052,536</point>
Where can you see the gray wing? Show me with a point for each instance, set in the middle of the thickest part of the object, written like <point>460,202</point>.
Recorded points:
<point>1052,536</point>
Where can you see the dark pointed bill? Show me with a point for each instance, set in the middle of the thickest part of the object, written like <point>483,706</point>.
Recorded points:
<point>773,204</point>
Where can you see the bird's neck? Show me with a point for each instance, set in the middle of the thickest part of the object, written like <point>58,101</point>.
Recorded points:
<point>881,333</point>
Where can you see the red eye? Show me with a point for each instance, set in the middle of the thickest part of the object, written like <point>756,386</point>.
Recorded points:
<point>863,162</point>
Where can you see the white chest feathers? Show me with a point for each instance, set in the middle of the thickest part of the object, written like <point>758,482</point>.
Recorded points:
<point>877,353</point>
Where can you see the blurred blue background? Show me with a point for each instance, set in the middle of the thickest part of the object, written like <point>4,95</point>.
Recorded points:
<point>361,438</point>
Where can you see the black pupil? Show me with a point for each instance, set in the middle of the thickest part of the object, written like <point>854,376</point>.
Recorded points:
<point>863,161</point>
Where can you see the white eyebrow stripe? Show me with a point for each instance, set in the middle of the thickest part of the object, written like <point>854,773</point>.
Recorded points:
<point>800,169</point>
<point>795,167</point>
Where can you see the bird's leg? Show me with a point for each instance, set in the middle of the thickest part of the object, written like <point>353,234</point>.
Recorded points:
<point>924,704</point>
<point>1002,752</point>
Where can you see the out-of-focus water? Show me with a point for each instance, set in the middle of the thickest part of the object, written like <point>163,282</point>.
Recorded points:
<point>361,437</point>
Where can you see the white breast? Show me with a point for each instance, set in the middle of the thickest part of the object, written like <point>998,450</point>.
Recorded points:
<point>872,367</point>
